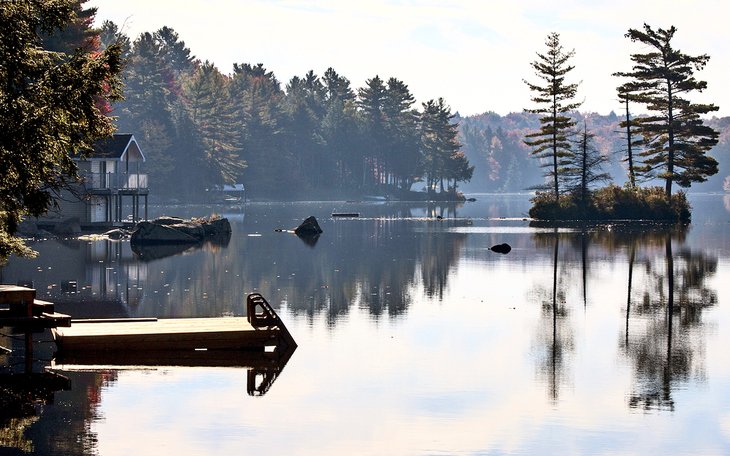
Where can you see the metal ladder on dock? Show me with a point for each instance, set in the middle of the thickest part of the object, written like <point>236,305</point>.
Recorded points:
<point>261,315</point>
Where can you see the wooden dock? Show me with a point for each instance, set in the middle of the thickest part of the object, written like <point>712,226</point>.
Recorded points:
<point>261,328</point>
<point>259,342</point>
<point>229,333</point>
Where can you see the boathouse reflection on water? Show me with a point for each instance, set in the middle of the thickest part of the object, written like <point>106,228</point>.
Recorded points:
<point>85,279</point>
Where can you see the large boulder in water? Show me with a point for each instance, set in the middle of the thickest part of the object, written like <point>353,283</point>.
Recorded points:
<point>172,230</point>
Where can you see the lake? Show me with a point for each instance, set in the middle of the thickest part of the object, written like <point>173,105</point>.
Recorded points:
<point>413,337</point>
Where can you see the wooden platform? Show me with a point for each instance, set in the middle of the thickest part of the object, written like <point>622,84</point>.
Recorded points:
<point>261,328</point>
<point>259,342</point>
<point>229,333</point>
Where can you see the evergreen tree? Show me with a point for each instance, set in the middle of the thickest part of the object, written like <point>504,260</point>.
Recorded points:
<point>210,109</point>
<point>442,157</point>
<point>371,102</point>
<point>554,98</point>
<point>337,87</point>
<point>587,168</point>
<point>110,34</point>
<point>305,105</point>
<point>176,55</point>
<point>341,132</point>
<point>78,33</point>
<point>49,109</point>
<point>458,169</point>
<point>259,109</point>
<point>675,136</point>
<point>401,121</point>
<point>147,111</point>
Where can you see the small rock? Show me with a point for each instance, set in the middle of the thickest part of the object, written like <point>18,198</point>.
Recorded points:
<point>501,248</point>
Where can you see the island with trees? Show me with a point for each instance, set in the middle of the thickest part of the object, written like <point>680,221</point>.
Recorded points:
<point>670,143</point>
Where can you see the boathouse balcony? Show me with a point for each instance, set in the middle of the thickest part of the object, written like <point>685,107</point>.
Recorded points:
<point>115,181</point>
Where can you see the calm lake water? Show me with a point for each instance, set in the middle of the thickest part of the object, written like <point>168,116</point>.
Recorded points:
<point>414,338</point>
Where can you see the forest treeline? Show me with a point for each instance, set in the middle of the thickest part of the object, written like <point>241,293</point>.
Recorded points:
<point>315,137</point>
<point>494,145</point>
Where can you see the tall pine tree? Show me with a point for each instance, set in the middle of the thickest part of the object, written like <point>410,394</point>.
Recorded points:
<point>442,157</point>
<point>211,111</point>
<point>554,97</point>
<point>675,136</point>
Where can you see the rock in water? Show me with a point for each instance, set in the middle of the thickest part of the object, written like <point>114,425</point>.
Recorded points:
<point>308,227</point>
<point>501,248</point>
<point>174,230</point>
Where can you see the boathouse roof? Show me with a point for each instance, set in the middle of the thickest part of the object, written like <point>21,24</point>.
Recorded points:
<point>121,146</point>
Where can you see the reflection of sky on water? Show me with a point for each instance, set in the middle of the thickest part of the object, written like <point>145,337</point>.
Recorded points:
<point>410,386</point>
<point>415,339</point>
<point>419,387</point>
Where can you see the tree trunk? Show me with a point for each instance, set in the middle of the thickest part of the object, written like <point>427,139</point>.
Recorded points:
<point>670,151</point>
<point>629,151</point>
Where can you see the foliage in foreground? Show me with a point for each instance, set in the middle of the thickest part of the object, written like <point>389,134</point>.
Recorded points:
<point>51,103</point>
<point>613,203</point>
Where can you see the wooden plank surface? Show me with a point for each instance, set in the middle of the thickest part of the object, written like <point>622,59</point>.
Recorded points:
<point>160,326</point>
<point>227,333</point>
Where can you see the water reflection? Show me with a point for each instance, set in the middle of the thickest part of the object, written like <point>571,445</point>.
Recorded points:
<point>22,395</point>
<point>432,302</point>
<point>152,252</point>
<point>666,293</point>
<point>669,350</point>
<point>555,336</point>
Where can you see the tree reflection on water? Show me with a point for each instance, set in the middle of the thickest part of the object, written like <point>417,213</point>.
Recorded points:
<point>666,294</point>
<point>669,349</point>
<point>383,265</point>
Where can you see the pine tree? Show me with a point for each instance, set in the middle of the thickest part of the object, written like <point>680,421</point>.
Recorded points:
<point>211,112</point>
<point>554,98</point>
<point>304,103</point>
<point>401,120</point>
<point>77,33</point>
<point>178,58</point>
<point>675,136</point>
<point>371,102</point>
<point>147,111</point>
<point>340,131</point>
<point>110,34</point>
<point>258,99</point>
<point>587,168</point>
<point>440,147</point>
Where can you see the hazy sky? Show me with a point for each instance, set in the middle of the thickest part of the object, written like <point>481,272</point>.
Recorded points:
<point>472,53</point>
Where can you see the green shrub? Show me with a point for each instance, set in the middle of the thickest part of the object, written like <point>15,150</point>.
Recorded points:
<point>613,203</point>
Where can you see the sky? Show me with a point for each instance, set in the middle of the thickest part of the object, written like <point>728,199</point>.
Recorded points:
<point>475,54</point>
